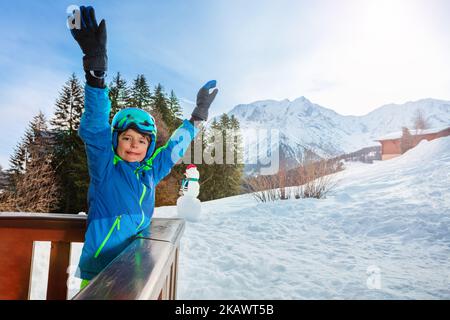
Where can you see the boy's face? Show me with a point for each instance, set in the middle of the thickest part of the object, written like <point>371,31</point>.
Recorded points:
<point>132,146</point>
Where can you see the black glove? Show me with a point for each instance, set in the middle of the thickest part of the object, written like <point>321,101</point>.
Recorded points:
<point>92,40</point>
<point>204,100</point>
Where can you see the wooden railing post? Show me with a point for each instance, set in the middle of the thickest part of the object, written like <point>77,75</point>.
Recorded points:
<point>18,232</point>
<point>15,265</point>
<point>146,269</point>
<point>57,275</point>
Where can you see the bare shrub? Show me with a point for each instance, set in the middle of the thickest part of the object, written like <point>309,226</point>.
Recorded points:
<point>282,183</point>
<point>36,190</point>
<point>420,122</point>
<point>313,179</point>
<point>6,204</point>
<point>263,188</point>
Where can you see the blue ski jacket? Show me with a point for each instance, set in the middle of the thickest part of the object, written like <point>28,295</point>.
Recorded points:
<point>121,196</point>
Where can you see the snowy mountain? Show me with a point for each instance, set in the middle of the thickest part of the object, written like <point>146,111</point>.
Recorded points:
<point>305,125</point>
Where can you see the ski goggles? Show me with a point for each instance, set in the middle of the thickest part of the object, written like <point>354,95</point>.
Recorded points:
<point>134,118</point>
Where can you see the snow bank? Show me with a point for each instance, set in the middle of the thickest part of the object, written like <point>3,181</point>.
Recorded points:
<point>383,233</point>
<point>392,217</point>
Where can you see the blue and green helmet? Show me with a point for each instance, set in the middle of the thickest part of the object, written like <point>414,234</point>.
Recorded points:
<point>138,120</point>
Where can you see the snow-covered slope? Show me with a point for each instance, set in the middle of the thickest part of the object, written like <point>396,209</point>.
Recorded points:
<point>392,217</point>
<point>383,233</point>
<point>303,124</point>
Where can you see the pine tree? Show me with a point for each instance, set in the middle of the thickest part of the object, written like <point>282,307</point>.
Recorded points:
<point>35,142</point>
<point>207,171</point>
<point>224,176</point>
<point>140,95</point>
<point>67,117</point>
<point>237,172</point>
<point>175,109</point>
<point>38,138</point>
<point>4,179</point>
<point>166,192</point>
<point>17,163</point>
<point>69,158</point>
<point>213,188</point>
<point>119,94</point>
<point>161,106</point>
<point>32,185</point>
<point>17,160</point>
<point>232,170</point>
<point>69,106</point>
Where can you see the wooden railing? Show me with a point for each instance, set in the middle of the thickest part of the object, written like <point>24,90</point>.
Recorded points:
<point>146,269</point>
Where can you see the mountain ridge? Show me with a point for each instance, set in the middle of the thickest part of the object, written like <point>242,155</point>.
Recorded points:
<point>303,124</point>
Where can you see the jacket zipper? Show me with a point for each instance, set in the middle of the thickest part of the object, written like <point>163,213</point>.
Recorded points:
<point>116,223</point>
<point>140,205</point>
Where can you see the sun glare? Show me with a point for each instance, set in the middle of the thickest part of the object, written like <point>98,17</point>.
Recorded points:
<point>384,52</point>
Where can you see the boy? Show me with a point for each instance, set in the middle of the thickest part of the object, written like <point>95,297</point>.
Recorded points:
<point>124,167</point>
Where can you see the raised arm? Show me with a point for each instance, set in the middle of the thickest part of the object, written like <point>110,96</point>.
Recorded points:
<point>168,155</point>
<point>95,130</point>
<point>91,38</point>
<point>204,100</point>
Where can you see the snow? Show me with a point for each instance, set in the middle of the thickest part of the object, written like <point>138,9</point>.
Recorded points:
<point>383,233</point>
<point>392,215</point>
<point>399,134</point>
<point>189,208</point>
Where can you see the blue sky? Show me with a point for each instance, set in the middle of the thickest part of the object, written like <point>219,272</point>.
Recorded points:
<point>349,55</point>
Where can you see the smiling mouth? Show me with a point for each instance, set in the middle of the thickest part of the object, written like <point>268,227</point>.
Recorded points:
<point>132,153</point>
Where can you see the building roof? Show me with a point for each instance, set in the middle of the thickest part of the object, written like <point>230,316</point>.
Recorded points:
<point>398,134</point>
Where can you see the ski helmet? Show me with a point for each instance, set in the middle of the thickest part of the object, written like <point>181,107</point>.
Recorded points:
<point>137,119</point>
